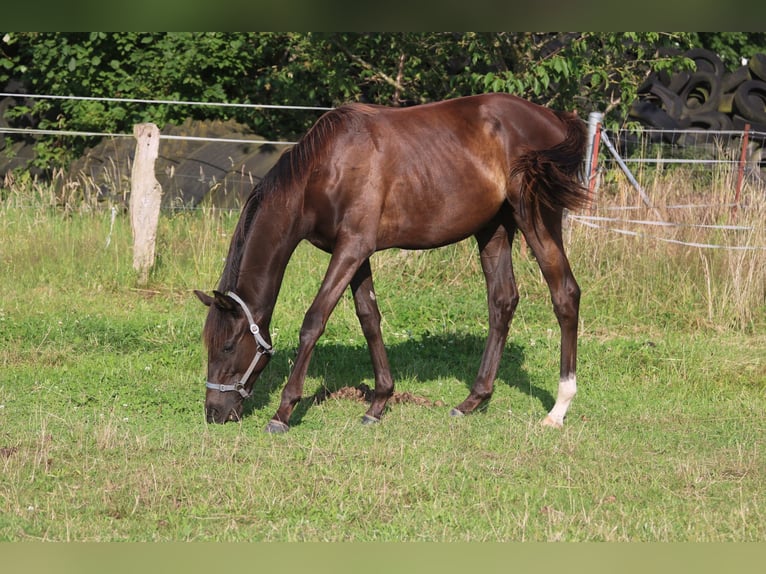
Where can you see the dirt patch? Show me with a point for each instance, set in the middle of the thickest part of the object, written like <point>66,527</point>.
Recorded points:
<point>363,393</point>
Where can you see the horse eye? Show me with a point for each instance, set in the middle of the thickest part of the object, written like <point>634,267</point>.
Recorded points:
<point>228,348</point>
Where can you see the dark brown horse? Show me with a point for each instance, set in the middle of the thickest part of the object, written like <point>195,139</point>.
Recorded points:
<point>366,178</point>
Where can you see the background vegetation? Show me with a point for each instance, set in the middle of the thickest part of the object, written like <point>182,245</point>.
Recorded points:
<point>584,71</point>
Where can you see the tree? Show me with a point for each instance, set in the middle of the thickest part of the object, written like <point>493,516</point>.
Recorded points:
<point>584,71</point>
<point>732,47</point>
<point>587,71</point>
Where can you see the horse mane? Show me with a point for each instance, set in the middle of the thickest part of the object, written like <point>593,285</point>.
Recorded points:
<point>292,168</point>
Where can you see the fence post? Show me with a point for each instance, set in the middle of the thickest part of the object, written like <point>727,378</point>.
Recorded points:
<point>145,198</point>
<point>593,175</point>
<point>595,119</point>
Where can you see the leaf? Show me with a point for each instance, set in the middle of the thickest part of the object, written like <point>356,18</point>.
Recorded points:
<point>544,78</point>
<point>561,66</point>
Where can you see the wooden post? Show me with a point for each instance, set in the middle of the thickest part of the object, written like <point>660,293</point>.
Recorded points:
<point>145,198</point>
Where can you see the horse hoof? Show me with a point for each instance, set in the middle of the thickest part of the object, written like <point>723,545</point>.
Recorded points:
<point>369,420</point>
<point>549,422</point>
<point>276,427</point>
<point>456,413</point>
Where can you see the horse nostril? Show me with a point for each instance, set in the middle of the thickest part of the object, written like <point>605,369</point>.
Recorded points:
<point>212,415</point>
<point>235,415</point>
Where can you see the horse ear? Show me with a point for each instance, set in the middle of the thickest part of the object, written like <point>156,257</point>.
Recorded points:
<point>224,302</point>
<point>204,297</point>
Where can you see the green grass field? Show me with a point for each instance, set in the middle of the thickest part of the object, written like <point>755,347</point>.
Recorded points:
<point>103,437</point>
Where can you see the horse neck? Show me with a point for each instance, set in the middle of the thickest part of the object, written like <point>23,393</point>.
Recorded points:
<point>270,243</point>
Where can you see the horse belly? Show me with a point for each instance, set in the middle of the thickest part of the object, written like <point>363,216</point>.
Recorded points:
<point>415,218</point>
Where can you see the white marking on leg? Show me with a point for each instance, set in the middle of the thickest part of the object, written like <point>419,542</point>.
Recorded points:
<point>567,391</point>
<point>372,294</point>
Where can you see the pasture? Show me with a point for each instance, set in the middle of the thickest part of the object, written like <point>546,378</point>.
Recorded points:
<point>103,435</point>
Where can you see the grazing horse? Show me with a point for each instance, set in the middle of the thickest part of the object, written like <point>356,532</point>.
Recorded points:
<point>366,178</point>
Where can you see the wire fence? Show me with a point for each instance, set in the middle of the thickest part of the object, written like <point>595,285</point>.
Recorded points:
<point>162,102</point>
<point>228,167</point>
<point>683,180</point>
<point>74,133</point>
<point>196,160</point>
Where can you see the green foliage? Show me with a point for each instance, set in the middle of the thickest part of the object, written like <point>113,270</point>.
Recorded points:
<point>732,46</point>
<point>584,71</point>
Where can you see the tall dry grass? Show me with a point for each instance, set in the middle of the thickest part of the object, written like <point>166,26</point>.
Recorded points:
<point>697,262</point>
<point>694,247</point>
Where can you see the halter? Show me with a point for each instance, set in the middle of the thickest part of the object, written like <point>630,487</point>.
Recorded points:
<point>263,348</point>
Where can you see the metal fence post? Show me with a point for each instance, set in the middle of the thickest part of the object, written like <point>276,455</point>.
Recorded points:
<point>595,119</point>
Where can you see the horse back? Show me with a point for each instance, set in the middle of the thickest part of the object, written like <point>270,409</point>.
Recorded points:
<point>430,174</point>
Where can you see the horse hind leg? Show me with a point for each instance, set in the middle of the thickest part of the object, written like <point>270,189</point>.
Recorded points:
<point>543,235</point>
<point>369,318</point>
<point>502,298</point>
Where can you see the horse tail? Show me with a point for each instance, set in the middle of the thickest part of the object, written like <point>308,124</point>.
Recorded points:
<point>551,176</point>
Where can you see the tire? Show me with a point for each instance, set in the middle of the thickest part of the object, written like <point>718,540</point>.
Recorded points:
<point>726,103</point>
<point>655,117</point>
<point>707,61</point>
<point>709,122</point>
<point>757,67</point>
<point>750,100</point>
<point>189,171</point>
<point>668,99</point>
<point>731,81</point>
<point>701,94</point>
<point>678,81</point>
<point>757,130</point>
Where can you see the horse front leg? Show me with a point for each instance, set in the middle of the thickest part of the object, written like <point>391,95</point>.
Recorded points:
<point>502,298</point>
<point>343,266</point>
<point>369,317</point>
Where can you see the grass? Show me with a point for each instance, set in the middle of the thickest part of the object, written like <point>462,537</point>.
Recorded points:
<point>103,438</point>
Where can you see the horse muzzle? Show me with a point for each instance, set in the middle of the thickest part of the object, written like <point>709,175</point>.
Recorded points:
<point>221,415</point>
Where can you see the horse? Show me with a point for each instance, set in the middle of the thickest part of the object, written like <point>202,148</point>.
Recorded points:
<point>365,178</point>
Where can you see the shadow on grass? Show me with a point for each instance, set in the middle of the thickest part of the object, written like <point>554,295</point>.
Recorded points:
<point>429,358</point>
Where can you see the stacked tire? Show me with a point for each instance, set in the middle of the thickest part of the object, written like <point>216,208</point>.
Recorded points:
<point>708,98</point>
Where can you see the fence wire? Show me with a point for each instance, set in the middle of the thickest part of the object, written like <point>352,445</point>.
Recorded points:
<point>647,149</point>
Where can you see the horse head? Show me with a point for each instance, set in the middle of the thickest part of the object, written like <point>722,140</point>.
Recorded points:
<point>237,353</point>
